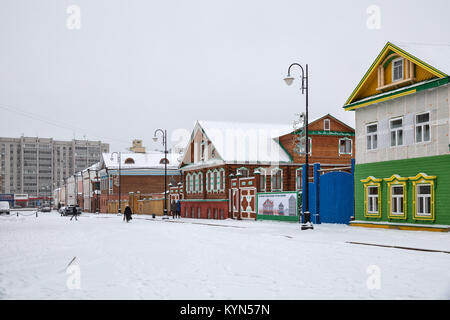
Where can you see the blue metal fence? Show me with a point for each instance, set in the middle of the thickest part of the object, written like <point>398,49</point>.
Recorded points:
<point>331,196</point>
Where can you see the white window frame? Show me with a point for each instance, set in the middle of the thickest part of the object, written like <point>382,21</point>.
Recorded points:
<point>325,122</point>
<point>272,180</point>
<point>200,182</point>
<point>422,214</point>
<point>422,124</point>
<point>351,146</point>
<point>215,184</point>
<point>263,176</point>
<point>371,135</point>
<point>403,69</point>
<point>296,179</point>
<point>302,150</point>
<point>372,199</point>
<point>399,199</point>
<point>221,177</point>
<point>396,131</point>
<point>208,181</point>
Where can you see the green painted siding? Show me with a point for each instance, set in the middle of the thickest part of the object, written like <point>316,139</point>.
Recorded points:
<point>438,166</point>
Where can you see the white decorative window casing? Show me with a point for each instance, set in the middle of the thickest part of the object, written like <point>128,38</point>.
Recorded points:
<point>188,183</point>
<point>397,194</point>
<point>200,182</point>
<point>277,179</point>
<point>422,127</point>
<point>208,181</point>
<point>262,179</point>
<point>397,69</point>
<point>303,145</point>
<point>372,136</point>
<point>222,180</point>
<point>299,179</point>
<point>372,199</point>
<point>423,198</point>
<point>345,146</point>
<point>396,132</point>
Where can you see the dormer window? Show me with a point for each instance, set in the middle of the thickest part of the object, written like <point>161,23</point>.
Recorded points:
<point>397,69</point>
<point>326,124</point>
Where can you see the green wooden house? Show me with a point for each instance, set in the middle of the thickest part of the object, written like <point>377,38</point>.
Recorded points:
<point>402,172</point>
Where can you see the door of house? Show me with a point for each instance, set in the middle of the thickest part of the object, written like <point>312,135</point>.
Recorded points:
<point>248,203</point>
<point>243,198</point>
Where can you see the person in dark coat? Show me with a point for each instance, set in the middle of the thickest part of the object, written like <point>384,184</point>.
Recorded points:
<point>178,209</point>
<point>74,212</point>
<point>173,209</point>
<point>128,213</point>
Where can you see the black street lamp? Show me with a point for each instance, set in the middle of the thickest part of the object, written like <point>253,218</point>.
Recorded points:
<point>75,187</point>
<point>304,87</point>
<point>164,142</point>
<point>119,155</point>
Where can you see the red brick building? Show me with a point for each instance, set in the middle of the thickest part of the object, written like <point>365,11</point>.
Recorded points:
<point>139,173</point>
<point>226,164</point>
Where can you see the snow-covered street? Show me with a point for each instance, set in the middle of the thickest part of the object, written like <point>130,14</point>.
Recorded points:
<point>209,259</point>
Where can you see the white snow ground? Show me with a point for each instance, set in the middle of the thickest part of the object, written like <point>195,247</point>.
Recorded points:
<point>200,259</point>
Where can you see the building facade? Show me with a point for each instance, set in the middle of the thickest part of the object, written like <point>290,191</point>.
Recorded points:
<point>140,173</point>
<point>36,166</point>
<point>402,172</point>
<point>226,164</point>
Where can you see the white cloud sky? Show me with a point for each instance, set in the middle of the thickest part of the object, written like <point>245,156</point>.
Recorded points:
<point>135,66</point>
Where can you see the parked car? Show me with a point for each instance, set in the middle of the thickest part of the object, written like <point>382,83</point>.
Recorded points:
<point>62,210</point>
<point>4,207</point>
<point>45,208</point>
<point>71,209</point>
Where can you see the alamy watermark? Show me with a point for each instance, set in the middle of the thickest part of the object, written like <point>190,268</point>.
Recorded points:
<point>373,21</point>
<point>73,21</point>
<point>373,282</point>
<point>73,281</point>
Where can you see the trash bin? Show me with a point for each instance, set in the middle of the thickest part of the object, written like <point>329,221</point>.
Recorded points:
<point>153,215</point>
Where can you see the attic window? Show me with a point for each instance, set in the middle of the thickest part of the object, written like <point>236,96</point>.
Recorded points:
<point>326,124</point>
<point>164,160</point>
<point>129,161</point>
<point>397,69</point>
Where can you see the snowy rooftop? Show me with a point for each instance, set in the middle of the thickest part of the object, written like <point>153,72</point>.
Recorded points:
<point>148,160</point>
<point>246,142</point>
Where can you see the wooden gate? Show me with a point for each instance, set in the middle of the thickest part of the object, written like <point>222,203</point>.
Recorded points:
<point>243,198</point>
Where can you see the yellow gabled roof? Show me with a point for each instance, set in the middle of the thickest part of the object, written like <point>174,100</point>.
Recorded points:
<point>403,53</point>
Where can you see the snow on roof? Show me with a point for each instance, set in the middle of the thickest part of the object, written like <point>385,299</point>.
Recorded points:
<point>247,142</point>
<point>148,160</point>
<point>95,166</point>
<point>436,55</point>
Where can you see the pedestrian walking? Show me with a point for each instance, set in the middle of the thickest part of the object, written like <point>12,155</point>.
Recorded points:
<point>128,213</point>
<point>74,213</point>
<point>173,209</point>
<point>178,209</point>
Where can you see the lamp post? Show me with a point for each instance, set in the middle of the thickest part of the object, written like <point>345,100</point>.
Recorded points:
<point>75,187</point>
<point>304,88</point>
<point>164,142</point>
<point>119,155</point>
<point>97,190</point>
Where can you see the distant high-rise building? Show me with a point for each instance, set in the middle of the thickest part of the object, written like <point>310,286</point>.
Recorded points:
<point>36,166</point>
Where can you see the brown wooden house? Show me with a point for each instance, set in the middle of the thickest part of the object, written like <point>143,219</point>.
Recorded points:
<point>226,164</point>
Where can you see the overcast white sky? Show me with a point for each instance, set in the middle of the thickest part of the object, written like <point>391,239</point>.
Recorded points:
<point>135,65</point>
